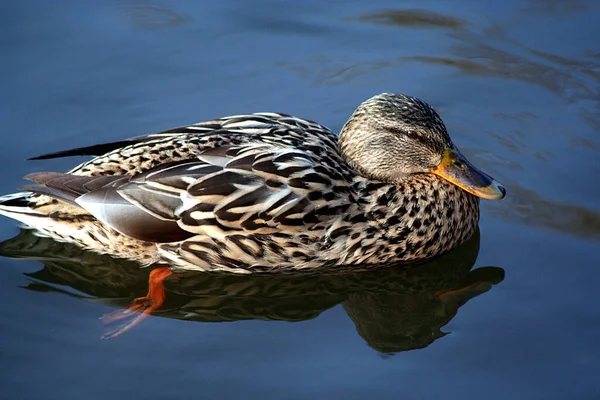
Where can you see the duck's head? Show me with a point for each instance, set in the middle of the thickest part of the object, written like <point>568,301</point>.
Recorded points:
<point>391,136</point>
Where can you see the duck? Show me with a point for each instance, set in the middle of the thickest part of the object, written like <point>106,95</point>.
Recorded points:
<point>266,192</point>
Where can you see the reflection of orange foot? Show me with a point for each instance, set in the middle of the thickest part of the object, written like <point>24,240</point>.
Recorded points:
<point>477,282</point>
<point>118,322</point>
<point>463,294</point>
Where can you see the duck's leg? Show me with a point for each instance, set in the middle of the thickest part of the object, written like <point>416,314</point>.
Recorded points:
<point>118,322</point>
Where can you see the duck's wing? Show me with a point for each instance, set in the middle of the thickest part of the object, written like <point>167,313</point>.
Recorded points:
<point>254,188</point>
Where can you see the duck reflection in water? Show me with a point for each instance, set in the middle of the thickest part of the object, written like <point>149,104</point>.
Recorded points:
<point>394,309</point>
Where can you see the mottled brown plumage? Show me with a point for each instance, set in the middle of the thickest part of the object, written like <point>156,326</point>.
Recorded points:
<point>266,192</point>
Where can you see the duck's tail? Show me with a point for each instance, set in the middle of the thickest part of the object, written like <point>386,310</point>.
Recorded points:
<point>49,216</point>
<point>64,222</point>
<point>21,207</point>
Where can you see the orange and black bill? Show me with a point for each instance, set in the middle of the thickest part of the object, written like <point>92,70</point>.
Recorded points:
<point>456,169</point>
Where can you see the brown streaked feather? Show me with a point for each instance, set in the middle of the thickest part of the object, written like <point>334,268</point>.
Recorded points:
<point>66,187</point>
<point>100,197</point>
<point>258,188</point>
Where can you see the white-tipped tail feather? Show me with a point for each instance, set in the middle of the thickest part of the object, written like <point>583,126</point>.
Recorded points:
<point>15,206</point>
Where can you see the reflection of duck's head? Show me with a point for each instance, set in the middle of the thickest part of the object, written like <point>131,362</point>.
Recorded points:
<point>394,322</point>
<point>394,309</point>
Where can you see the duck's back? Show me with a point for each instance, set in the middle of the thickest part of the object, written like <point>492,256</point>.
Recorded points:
<point>139,154</point>
<point>240,190</point>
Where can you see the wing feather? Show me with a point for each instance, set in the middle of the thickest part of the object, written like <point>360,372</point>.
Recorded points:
<point>257,173</point>
<point>255,188</point>
<point>255,192</point>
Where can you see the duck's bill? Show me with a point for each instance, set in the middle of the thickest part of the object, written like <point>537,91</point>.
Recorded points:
<point>456,169</point>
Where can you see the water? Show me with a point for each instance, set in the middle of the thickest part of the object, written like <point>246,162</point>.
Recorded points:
<point>518,84</point>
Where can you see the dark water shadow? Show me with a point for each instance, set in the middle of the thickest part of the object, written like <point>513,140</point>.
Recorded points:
<point>490,51</point>
<point>394,309</point>
<point>527,207</point>
<point>145,16</point>
<point>412,18</point>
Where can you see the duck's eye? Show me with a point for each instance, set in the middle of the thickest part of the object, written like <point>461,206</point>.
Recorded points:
<point>412,134</point>
<point>399,131</point>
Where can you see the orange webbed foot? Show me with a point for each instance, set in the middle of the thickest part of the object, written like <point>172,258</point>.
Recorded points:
<point>120,321</point>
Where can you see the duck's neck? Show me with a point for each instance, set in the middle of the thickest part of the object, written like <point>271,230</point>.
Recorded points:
<point>422,216</point>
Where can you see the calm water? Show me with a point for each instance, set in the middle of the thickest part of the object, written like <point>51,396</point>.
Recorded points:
<point>518,83</point>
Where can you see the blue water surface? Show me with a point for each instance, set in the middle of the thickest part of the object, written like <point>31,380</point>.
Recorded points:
<point>518,84</point>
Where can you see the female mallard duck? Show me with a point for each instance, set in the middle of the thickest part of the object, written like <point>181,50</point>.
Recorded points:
<point>267,191</point>
<point>264,192</point>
